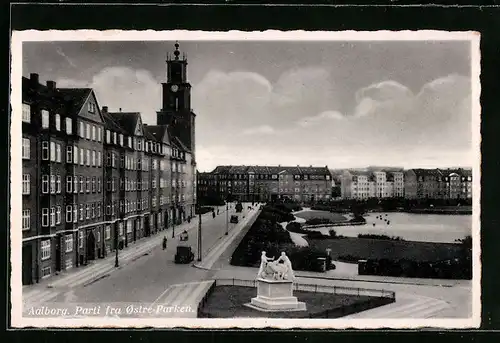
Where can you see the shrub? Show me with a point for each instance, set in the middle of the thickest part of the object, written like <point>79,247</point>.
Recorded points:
<point>333,233</point>
<point>305,258</point>
<point>384,237</point>
<point>204,209</point>
<point>318,221</point>
<point>296,227</point>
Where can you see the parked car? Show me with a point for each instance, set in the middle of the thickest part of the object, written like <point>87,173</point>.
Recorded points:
<point>234,219</point>
<point>184,254</point>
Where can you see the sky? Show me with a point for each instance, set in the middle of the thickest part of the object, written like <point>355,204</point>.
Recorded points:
<point>334,103</point>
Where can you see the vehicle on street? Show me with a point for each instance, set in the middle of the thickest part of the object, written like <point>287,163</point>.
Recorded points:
<point>184,236</point>
<point>184,254</point>
<point>234,219</point>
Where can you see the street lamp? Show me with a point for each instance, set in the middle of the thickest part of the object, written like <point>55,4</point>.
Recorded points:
<point>199,234</point>
<point>227,214</point>
<point>116,246</point>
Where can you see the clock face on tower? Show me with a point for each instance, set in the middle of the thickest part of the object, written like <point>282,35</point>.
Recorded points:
<point>174,88</point>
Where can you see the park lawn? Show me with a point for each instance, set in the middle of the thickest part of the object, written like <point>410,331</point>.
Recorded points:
<point>365,248</point>
<point>228,302</point>
<point>334,217</point>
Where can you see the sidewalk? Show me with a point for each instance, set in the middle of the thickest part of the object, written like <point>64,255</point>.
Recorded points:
<point>101,267</point>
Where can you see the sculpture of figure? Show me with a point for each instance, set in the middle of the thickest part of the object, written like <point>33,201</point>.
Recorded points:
<point>263,264</point>
<point>288,275</point>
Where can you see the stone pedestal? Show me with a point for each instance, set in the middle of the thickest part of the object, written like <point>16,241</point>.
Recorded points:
<point>275,295</point>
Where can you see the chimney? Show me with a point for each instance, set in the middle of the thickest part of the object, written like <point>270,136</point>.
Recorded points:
<point>51,85</point>
<point>105,109</point>
<point>120,109</point>
<point>34,79</point>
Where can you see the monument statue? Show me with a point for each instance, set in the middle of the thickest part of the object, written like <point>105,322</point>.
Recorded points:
<point>275,286</point>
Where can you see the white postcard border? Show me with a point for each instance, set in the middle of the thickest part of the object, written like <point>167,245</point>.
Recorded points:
<point>18,37</point>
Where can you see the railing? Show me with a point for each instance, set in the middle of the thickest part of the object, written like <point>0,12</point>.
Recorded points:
<point>299,286</point>
<point>204,300</point>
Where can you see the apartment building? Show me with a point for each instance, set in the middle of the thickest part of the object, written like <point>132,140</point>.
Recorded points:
<point>94,180</point>
<point>263,183</point>
<point>364,185</point>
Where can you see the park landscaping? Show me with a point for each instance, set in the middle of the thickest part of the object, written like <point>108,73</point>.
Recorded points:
<point>229,302</point>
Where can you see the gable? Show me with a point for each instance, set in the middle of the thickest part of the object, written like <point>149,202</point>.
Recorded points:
<point>90,109</point>
<point>138,131</point>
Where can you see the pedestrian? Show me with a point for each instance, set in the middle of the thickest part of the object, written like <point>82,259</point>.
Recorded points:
<point>213,214</point>
<point>164,242</point>
<point>217,211</point>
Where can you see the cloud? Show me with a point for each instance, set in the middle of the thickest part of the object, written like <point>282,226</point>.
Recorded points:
<point>60,52</point>
<point>320,118</point>
<point>263,129</point>
<point>133,90</point>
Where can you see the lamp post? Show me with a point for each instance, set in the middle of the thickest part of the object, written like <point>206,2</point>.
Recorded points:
<point>279,183</point>
<point>174,218</point>
<point>227,215</point>
<point>199,235</point>
<point>116,246</point>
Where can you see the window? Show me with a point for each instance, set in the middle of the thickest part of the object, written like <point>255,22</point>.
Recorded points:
<point>99,213</point>
<point>52,216</point>
<point>69,214</point>
<point>81,211</point>
<point>45,217</point>
<point>98,236</point>
<point>87,211</point>
<point>107,233</point>
<point>75,213</point>
<point>58,184</point>
<point>87,184</point>
<point>92,210</point>
<point>91,107</point>
<point>93,158</point>
<point>26,219</point>
<point>45,184</point>
<point>58,215</point>
<point>69,126</point>
<point>87,130</point>
<point>80,238</point>
<point>88,157</point>
<point>81,130</point>
<point>52,184</point>
<point>45,150</point>
<point>58,152</point>
<point>93,133</point>
<point>75,184</point>
<point>58,122</point>
<point>52,151</point>
<point>26,151</point>
<point>99,159</point>
<point>82,160</point>
<point>121,139</point>
<point>26,113</point>
<point>45,249</point>
<point>68,240</point>
<point>108,136</point>
<point>26,183</point>
<point>46,272</point>
<point>98,134</point>
<point>69,154</point>
<point>93,184</point>
<point>114,138</point>
<point>45,119</point>
<point>68,263</point>
<point>75,155</point>
<point>99,186</point>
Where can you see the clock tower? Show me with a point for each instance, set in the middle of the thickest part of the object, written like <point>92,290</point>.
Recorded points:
<point>176,105</point>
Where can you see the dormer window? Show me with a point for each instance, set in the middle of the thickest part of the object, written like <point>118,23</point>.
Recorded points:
<point>91,107</point>
<point>139,144</point>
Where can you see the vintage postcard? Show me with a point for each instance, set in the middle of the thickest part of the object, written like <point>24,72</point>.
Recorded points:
<point>245,179</point>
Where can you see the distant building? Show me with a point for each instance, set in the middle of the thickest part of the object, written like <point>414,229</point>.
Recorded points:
<point>264,183</point>
<point>362,185</point>
<point>438,183</point>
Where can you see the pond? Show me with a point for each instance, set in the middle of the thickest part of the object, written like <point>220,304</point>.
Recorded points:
<point>409,226</point>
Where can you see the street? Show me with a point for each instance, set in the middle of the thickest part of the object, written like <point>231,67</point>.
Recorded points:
<point>150,275</point>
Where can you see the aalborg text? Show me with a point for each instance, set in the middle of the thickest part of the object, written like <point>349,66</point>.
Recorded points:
<point>107,310</point>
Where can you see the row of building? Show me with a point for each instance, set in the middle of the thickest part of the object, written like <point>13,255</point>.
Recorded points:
<point>94,180</point>
<point>309,184</point>
<point>263,183</point>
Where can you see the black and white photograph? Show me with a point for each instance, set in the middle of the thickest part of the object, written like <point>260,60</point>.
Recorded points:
<point>284,179</point>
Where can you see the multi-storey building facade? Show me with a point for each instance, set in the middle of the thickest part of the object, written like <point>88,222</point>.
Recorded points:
<point>438,184</point>
<point>364,185</point>
<point>263,183</point>
<point>95,181</point>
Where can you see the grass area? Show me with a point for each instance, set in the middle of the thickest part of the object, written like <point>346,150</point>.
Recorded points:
<point>228,302</point>
<point>365,248</point>
<point>334,217</point>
